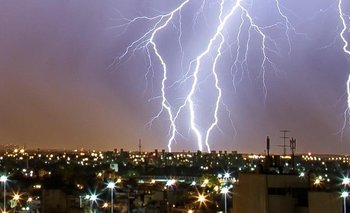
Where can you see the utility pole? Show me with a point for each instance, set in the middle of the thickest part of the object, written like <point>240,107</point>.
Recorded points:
<point>293,146</point>
<point>268,145</point>
<point>284,141</point>
<point>140,146</point>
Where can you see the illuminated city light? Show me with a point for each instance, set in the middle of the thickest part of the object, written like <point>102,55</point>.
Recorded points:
<point>171,182</point>
<point>4,179</point>
<point>227,175</point>
<point>346,181</point>
<point>224,190</point>
<point>344,195</point>
<point>111,185</point>
<point>202,199</point>
<point>218,188</point>
<point>93,197</point>
<point>206,181</point>
<point>317,182</point>
<point>16,197</point>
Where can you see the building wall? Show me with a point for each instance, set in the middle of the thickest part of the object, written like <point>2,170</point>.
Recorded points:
<point>261,193</point>
<point>325,202</point>
<point>53,201</point>
<point>279,203</point>
<point>73,205</point>
<point>299,209</point>
<point>56,201</point>
<point>285,186</point>
<point>250,196</point>
<point>286,181</point>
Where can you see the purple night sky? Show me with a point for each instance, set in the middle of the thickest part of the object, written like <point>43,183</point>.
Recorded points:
<point>58,90</point>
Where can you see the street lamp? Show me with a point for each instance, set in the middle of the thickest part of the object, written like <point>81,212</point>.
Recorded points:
<point>16,198</point>
<point>317,182</point>
<point>227,175</point>
<point>346,181</point>
<point>202,199</point>
<point>170,182</point>
<point>111,186</point>
<point>30,199</point>
<point>92,199</point>
<point>3,179</point>
<point>344,195</point>
<point>224,191</point>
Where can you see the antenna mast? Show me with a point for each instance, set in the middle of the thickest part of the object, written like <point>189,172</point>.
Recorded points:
<point>140,146</point>
<point>293,146</point>
<point>284,141</point>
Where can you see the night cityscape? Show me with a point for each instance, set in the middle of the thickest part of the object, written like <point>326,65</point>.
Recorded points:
<point>160,181</point>
<point>183,106</point>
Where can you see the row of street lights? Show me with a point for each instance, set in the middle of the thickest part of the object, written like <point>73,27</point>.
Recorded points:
<point>111,186</point>
<point>16,196</point>
<point>93,198</point>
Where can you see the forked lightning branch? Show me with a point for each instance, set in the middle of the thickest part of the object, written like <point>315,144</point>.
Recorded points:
<point>227,12</point>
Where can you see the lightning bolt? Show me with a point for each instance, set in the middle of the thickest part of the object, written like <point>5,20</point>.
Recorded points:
<point>214,47</point>
<point>346,52</point>
<point>165,104</point>
<point>217,36</point>
<point>147,40</point>
<point>220,36</point>
<point>345,44</point>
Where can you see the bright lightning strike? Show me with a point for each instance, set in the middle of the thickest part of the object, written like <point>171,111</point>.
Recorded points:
<point>147,41</point>
<point>346,52</point>
<point>346,44</point>
<point>218,35</point>
<point>214,48</point>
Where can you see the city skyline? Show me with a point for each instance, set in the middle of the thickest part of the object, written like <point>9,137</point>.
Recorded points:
<point>61,86</point>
